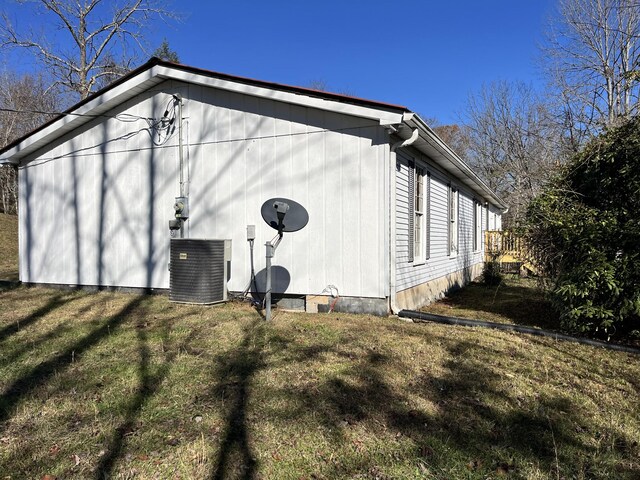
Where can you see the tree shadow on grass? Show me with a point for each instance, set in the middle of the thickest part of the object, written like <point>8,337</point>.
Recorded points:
<point>522,304</point>
<point>55,302</point>
<point>11,284</point>
<point>481,417</point>
<point>40,374</point>
<point>483,421</point>
<point>18,349</point>
<point>150,374</point>
<point>468,424</point>
<point>149,381</point>
<point>359,395</point>
<point>478,424</point>
<point>235,372</point>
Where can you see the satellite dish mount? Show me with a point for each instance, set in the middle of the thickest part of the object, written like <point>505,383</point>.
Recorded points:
<point>284,216</point>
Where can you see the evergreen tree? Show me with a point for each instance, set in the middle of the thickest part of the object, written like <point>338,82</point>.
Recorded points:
<point>164,52</point>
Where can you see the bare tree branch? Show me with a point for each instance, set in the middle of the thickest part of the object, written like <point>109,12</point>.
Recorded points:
<point>24,103</point>
<point>94,40</point>
<point>512,141</point>
<point>593,61</point>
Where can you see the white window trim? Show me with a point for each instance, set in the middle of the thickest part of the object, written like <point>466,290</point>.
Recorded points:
<point>453,214</point>
<point>420,218</point>
<point>477,226</point>
<point>486,212</point>
<point>427,226</point>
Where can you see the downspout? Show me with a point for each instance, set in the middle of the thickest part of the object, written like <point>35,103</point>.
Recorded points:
<point>392,215</point>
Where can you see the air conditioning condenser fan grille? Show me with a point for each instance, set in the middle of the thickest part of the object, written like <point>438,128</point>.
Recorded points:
<point>198,270</point>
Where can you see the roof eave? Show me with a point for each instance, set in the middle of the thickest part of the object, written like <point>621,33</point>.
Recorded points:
<point>80,114</point>
<point>439,152</point>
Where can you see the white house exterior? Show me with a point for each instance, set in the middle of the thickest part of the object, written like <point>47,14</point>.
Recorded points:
<point>395,217</point>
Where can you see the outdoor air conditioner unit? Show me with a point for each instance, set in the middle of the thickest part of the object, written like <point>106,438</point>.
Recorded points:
<point>199,270</point>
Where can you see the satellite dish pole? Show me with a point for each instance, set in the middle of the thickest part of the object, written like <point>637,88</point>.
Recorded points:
<point>274,212</point>
<point>281,210</point>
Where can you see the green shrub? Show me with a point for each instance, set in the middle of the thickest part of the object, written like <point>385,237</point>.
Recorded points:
<point>585,228</point>
<point>491,274</point>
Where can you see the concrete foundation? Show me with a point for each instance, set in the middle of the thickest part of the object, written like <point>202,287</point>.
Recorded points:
<point>292,303</point>
<point>371,306</point>
<point>424,294</point>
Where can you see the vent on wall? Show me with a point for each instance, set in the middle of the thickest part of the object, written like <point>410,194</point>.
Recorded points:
<point>199,270</point>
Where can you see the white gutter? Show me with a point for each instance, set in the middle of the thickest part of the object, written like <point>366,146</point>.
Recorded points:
<point>393,306</point>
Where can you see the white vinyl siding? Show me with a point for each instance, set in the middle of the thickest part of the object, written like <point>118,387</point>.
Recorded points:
<point>95,204</point>
<point>439,263</point>
<point>428,217</point>
<point>486,213</point>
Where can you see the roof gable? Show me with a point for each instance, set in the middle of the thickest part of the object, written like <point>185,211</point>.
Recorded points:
<point>156,71</point>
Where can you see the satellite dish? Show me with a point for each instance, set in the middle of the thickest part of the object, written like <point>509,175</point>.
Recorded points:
<point>280,280</point>
<point>284,215</point>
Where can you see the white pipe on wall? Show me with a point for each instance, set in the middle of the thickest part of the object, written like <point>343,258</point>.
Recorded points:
<point>393,306</point>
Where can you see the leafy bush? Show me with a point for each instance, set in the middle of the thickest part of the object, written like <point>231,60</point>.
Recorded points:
<point>491,274</point>
<point>585,229</point>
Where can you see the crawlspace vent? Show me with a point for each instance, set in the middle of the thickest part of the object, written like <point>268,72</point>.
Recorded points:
<point>199,270</point>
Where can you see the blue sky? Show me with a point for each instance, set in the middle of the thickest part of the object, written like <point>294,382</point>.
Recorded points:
<point>426,55</point>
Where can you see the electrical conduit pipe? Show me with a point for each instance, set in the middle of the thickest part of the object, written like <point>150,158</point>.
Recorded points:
<point>423,317</point>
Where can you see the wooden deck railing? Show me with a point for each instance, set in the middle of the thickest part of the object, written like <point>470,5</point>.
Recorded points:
<point>508,249</point>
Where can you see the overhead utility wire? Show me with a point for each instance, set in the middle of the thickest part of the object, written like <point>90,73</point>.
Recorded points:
<point>124,117</point>
<point>71,114</point>
<point>163,145</point>
<point>162,125</point>
<point>120,116</point>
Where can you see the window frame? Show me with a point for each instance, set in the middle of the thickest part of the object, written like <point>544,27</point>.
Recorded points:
<point>419,237</point>
<point>486,210</point>
<point>477,225</point>
<point>453,220</point>
<point>428,218</point>
<point>418,214</point>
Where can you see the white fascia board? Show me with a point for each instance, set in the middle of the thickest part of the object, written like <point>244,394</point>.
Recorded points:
<point>381,115</point>
<point>74,119</point>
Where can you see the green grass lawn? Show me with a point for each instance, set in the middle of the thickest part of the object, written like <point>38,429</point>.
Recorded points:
<point>519,301</point>
<point>120,386</point>
<point>8,247</point>
<point>516,300</point>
